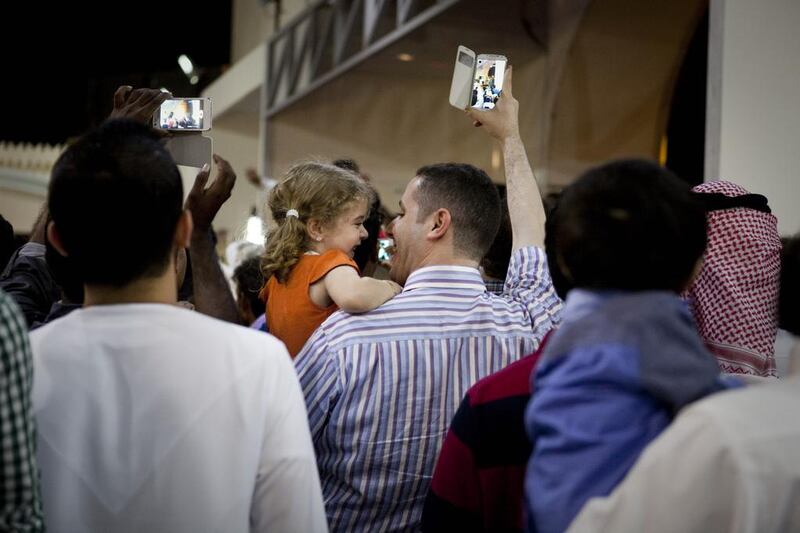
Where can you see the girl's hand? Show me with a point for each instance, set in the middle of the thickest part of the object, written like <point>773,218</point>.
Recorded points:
<point>396,289</point>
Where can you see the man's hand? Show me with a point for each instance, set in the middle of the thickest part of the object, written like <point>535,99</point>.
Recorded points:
<point>137,104</point>
<point>502,122</point>
<point>212,295</point>
<point>204,203</point>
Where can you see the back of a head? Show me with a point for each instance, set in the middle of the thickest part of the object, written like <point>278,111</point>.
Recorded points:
<point>316,191</point>
<point>629,225</point>
<point>115,198</point>
<point>734,298</point>
<point>471,198</point>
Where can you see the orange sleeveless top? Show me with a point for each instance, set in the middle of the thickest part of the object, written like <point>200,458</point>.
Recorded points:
<point>291,315</point>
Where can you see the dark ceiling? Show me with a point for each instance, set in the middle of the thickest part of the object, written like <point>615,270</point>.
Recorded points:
<point>62,62</point>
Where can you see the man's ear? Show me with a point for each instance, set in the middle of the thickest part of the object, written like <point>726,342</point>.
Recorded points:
<point>439,223</point>
<point>183,230</point>
<point>55,238</point>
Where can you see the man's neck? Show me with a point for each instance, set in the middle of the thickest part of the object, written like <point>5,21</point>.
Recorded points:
<point>157,290</point>
<point>440,258</point>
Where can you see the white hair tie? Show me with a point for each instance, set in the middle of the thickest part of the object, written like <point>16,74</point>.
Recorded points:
<point>292,213</point>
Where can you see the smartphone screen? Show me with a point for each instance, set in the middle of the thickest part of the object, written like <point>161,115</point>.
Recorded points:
<point>488,82</point>
<point>182,114</point>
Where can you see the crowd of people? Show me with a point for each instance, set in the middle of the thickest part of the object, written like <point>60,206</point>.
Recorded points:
<point>599,361</point>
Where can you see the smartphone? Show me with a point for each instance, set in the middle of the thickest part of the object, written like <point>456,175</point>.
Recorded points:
<point>184,114</point>
<point>385,248</point>
<point>477,80</point>
<point>487,81</point>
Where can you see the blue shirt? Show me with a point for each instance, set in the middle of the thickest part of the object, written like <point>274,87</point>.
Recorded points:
<point>382,387</point>
<point>608,382</point>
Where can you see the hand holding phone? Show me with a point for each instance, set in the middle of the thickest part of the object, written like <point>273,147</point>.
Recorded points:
<point>137,104</point>
<point>477,81</point>
<point>502,122</point>
<point>184,114</point>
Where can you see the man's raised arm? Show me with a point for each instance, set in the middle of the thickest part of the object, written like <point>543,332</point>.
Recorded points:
<point>212,296</point>
<point>524,200</point>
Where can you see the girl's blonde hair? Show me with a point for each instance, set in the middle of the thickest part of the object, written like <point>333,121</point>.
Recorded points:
<point>316,191</point>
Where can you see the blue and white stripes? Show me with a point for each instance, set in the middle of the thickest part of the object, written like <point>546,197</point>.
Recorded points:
<point>382,387</point>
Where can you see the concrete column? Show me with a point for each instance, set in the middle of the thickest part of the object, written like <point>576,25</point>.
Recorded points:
<point>753,111</point>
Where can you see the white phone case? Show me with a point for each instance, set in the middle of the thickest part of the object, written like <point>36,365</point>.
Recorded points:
<point>462,78</point>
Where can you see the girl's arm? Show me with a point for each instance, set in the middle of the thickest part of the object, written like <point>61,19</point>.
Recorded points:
<point>355,294</point>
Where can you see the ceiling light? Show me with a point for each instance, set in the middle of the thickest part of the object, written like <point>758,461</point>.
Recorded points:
<point>186,64</point>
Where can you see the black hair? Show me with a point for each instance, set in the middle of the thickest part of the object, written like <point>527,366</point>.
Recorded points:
<point>628,225</point>
<point>495,262</point>
<point>561,284</point>
<point>115,197</point>
<point>64,274</point>
<point>470,197</point>
<point>367,250</point>
<point>789,306</point>
<point>249,279</point>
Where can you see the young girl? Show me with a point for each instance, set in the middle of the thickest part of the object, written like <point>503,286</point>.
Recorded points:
<point>308,264</point>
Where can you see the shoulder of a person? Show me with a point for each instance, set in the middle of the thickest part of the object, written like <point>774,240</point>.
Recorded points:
<point>333,256</point>
<point>64,327</point>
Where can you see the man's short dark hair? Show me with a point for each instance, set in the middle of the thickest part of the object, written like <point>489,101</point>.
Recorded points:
<point>789,308</point>
<point>470,197</point>
<point>115,197</point>
<point>629,225</point>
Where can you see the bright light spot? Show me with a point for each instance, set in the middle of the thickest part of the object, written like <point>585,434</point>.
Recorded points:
<point>194,79</point>
<point>495,158</point>
<point>186,64</point>
<point>164,90</point>
<point>255,231</point>
<point>405,57</point>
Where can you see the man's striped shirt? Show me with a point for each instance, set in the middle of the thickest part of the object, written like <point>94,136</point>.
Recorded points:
<point>381,387</point>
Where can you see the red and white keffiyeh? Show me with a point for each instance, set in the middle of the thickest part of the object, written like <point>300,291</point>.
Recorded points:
<point>735,297</point>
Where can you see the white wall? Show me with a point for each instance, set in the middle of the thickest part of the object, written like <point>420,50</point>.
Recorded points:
<point>754,101</point>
